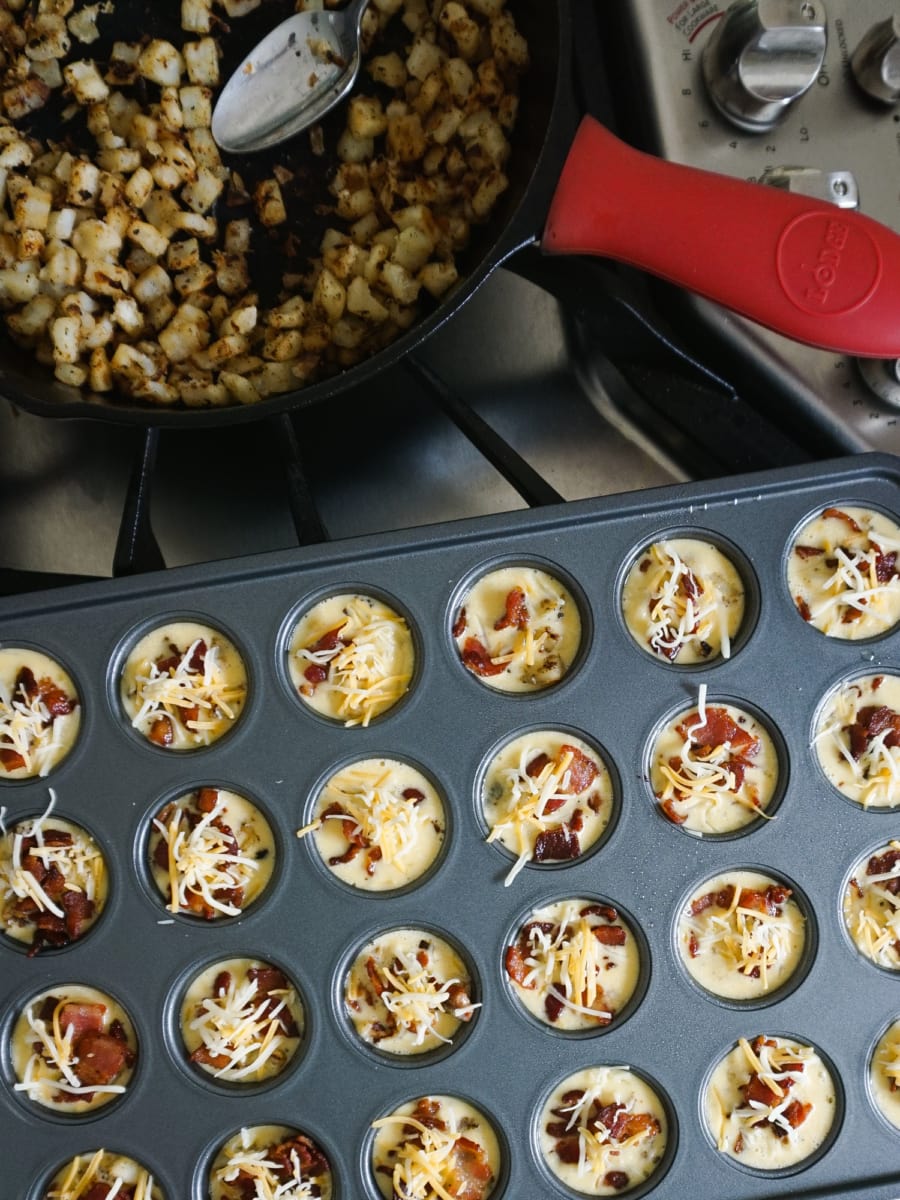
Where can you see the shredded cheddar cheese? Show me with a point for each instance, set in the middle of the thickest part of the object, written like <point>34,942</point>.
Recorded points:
<point>685,608</point>
<point>368,669</point>
<point>173,691</point>
<point>115,1171</point>
<point>201,860</point>
<point>29,729</point>
<point>372,798</point>
<point>568,961</point>
<point>241,1034</point>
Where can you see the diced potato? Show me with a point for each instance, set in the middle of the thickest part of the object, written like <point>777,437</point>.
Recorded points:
<point>269,203</point>
<point>85,81</point>
<point>161,62</point>
<point>148,237</point>
<point>201,60</point>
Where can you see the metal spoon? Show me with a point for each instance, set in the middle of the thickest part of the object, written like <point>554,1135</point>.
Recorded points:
<point>299,71</point>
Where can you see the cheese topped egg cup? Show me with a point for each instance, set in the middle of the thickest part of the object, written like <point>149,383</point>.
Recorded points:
<point>409,991</point>
<point>843,573</point>
<point>378,824</point>
<point>574,964</point>
<point>884,1074</point>
<point>683,601</point>
<point>741,935</point>
<point>603,1131</point>
<point>40,713</point>
<point>518,629</point>
<point>351,658</point>
<point>857,739</point>
<point>771,1103</point>
<point>85,1175</point>
<point>241,1021</point>
<point>437,1137</point>
<point>546,796</point>
<point>275,1160</point>
<point>73,1049</point>
<point>183,685</point>
<point>53,882</point>
<point>871,906</point>
<point>211,853</point>
<point>713,768</point>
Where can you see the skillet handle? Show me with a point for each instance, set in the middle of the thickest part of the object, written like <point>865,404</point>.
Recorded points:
<point>802,267</point>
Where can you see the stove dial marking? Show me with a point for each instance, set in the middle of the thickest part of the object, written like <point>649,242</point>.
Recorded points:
<point>837,187</point>
<point>762,57</point>
<point>876,61</point>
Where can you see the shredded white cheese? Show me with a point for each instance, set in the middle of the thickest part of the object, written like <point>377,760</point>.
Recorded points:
<point>685,608</point>
<point>28,728</point>
<point>369,668</point>
<point>200,860</point>
<point>233,1025</point>
<point>168,693</point>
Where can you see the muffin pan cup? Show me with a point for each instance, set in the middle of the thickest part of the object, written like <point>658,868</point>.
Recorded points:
<point>616,695</point>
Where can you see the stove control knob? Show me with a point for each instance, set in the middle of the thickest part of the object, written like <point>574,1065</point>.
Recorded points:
<point>876,61</point>
<point>762,56</point>
<point>837,187</point>
<point>883,378</point>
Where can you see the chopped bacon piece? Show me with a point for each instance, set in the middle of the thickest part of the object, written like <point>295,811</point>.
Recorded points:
<point>516,615</point>
<point>378,984</point>
<point>11,759</point>
<point>516,967</point>
<point>808,551</point>
<point>161,732</point>
<point>197,661</point>
<point>721,899</point>
<point>305,1151</point>
<point>458,995</point>
<point>101,1057</point>
<point>328,641</point>
<point>314,674</point>
<point>885,566</point>
<point>58,704</point>
<point>615,1179</point>
<point>205,1058</point>
<point>599,910</point>
<point>537,764</point>
<point>768,902</point>
<point>758,1091</point>
<point>693,945</point>
<point>413,794</point>
<point>553,1003</point>
<point>871,721</point>
<point>796,1113</point>
<point>668,807</point>
<point>557,843</point>
<point>207,797</point>
<point>100,1191</point>
<point>79,910</point>
<point>582,770</point>
<point>838,515</point>
<point>610,935</point>
<point>718,729</point>
<point>803,608</point>
<point>470,1174</point>
<point>477,659</point>
<point>458,628</point>
<point>26,683</point>
<point>427,1113</point>
<point>81,1018</point>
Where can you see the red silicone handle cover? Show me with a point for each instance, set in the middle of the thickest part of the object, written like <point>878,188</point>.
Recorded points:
<point>819,274</point>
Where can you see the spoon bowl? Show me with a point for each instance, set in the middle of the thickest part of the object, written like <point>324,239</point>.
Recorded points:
<point>290,80</point>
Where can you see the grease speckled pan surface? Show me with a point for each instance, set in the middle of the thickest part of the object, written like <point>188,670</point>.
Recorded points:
<point>174,1120</point>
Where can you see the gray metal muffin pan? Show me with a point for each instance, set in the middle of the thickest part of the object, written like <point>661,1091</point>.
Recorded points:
<point>173,1120</point>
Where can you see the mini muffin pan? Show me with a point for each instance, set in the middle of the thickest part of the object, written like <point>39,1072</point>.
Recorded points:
<point>309,924</point>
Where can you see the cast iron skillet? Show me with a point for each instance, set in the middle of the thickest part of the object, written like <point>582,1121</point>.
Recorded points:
<point>606,195</point>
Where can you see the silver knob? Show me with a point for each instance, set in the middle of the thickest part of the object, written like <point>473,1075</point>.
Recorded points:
<point>762,56</point>
<point>883,378</point>
<point>837,187</point>
<point>876,61</point>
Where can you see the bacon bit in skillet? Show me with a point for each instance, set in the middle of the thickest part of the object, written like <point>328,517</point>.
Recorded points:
<point>516,615</point>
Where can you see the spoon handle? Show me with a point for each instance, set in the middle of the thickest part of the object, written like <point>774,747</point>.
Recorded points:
<point>822,275</point>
